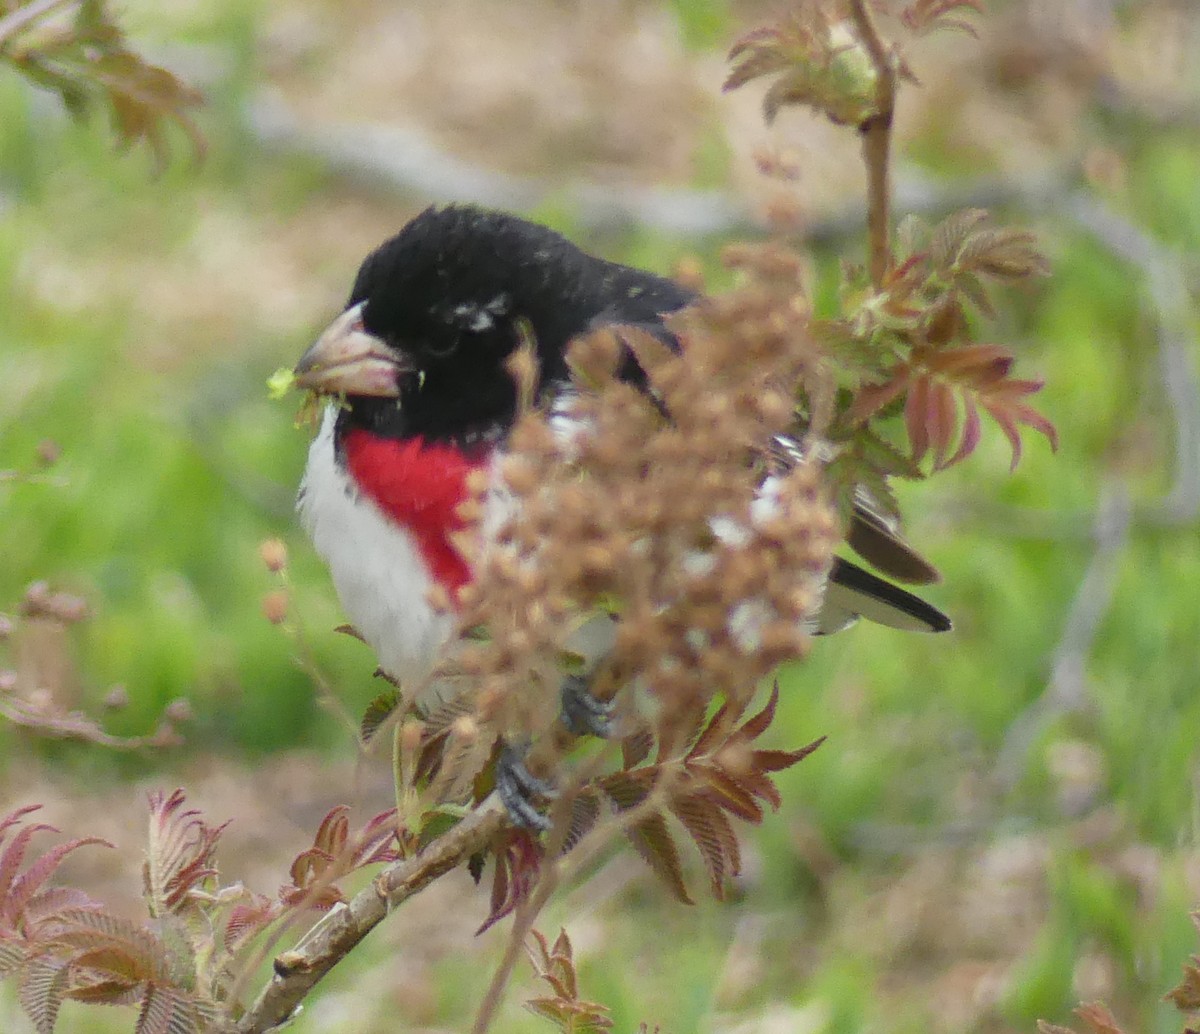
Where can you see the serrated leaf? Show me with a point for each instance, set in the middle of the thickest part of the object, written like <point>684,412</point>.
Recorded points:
<point>43,908</point>
<point>628,789</point>
<point>180,852</point>
<point>714,838</point>
<point>87,931</point>
<point>12,955</point>
<point>167,1010</point>
<point>585,812</point>
<point>518,862</point>
<point>41,990</point>
<point>23,888</point>
<point>378,711</point>
<point>652,840</point>
<point>636,748</point>
<point>14,855</point>
<point>731,795</point>
<point>756,725</point>
<point>778,760</point>
<point>713,732</point>
<point>933,15</point>
<point>247,919</point>
<point>950,234</point>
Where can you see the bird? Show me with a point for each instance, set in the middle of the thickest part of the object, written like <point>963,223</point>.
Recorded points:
<point>417,362</point>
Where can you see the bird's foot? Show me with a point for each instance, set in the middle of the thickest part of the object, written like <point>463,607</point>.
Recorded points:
<point>518,788</point>
<point>583,713</point>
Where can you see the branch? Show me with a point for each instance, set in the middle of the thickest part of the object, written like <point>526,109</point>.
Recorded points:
<point>13,24</point>
<point>1066,690</point>
<point>560,867</point>
<point>333,937</point>
<point>877,142</point>
<point>403,161</point>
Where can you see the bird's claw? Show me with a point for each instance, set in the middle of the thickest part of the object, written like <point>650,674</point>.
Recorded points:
<point>582,712</point>
<point>518,786</point>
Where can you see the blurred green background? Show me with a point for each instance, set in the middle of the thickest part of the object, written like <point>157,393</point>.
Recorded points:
<point>1003,821</point>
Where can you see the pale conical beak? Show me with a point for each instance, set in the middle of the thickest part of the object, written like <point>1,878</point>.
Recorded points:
<point>346,360</point>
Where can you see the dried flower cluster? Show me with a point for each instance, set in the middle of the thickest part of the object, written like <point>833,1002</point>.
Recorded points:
<point>650,506</point>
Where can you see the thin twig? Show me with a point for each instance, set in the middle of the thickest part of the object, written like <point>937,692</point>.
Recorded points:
<point>1066,688</point>
<point>558,871</point>
<point>20,19</point>
<point>877,142</point>
<point>337,933</point>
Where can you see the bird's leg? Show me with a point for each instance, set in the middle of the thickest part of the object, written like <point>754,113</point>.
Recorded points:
<point>518,787</point>
<point>583,713</point>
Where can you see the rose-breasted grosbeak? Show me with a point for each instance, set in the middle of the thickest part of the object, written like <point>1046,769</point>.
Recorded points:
<point>419,356</point>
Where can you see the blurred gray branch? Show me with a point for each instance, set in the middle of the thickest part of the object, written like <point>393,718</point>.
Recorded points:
<point>406,161</point>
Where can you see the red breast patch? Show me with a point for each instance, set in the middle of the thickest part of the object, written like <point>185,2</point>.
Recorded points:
<point>420,486</point>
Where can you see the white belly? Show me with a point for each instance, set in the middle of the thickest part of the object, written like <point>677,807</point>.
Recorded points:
<point>378,572</point>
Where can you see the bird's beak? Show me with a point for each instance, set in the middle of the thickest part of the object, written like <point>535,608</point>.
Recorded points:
<point>346,360</point>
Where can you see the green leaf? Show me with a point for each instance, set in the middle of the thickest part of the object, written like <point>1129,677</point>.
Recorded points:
<point>378,711</point>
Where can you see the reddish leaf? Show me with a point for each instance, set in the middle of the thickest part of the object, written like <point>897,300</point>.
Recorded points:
<point>653,841</point>
<point>518,862</point>
<point>30,881</point>
<point>711,733</point>
<point>916,417</point>
<point>778,760</point>
<point>334,854</point>
<point>873,397</point>
<point>756,725</point>
<point>247,919</point>
<point>943,421</point>
<point>1186,994</point>
<point>179,854</point>
<point>146,956</point>
<point>931,15</point>
<point>14,817</point>
<point>14,855</point>
<point>759,785</point>
<point>585,812</point>
<point>714,838</point>
<point>971,432</point>
<point>730,795</point>
<point>1098,1018</point>
<point>628,789</point>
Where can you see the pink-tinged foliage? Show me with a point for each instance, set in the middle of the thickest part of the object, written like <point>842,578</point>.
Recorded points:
<point>720,775</point>
<point>939,376</point>
<point>335,854</point>
<point>555,965</point>
<point>944,391</point>
<point>25,906</point>
<point>518,859</point>
<point>179,852</point>
<point>931,15</point>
